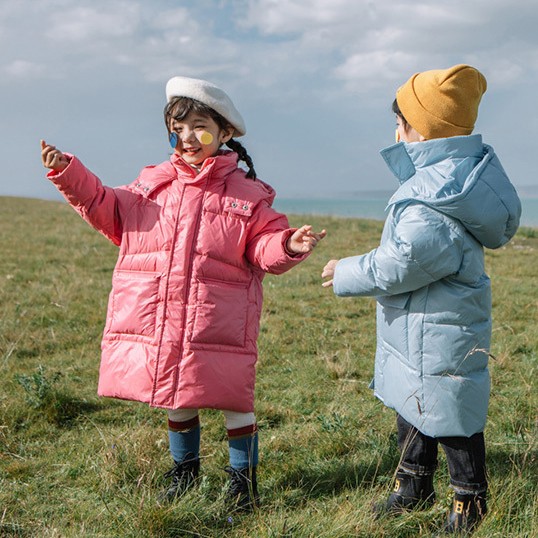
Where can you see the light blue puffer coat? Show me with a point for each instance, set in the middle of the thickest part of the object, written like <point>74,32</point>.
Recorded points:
<point>433,295</point>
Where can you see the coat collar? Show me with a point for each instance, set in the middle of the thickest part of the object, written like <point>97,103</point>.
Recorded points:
<point>404,159</point>
<point>218,166</point>
<point>152,177</point>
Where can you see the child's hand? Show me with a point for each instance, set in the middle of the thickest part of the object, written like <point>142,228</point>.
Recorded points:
<point>304,240</point>
<point>328,272</point>
<point>53,158</point>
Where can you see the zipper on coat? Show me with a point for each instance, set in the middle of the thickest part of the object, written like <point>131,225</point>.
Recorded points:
<point>188,276</point>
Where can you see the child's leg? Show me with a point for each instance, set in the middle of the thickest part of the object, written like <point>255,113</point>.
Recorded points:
<point>418,451</point>
<point>466,458</point>
<point>243,447</point>
<point>242,439</point>
<point>414,477</point>
<point>184,434</point>
<point>184,437</point>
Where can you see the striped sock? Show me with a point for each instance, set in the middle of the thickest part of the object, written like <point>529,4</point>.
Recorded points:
<point>184,438</point>
<point>243,446</point>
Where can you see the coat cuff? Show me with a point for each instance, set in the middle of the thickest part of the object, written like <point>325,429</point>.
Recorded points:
<point>55,174</point>
<point>295,256</point>
<point>349,280</point>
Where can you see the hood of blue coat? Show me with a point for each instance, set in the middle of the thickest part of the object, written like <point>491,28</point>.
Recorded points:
<point>462,178</point>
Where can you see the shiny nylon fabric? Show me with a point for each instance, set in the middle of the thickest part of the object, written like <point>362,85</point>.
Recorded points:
<point>183,313</point>
<point>428,276</point>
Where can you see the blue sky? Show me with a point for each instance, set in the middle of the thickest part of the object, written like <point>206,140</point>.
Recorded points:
<point>314,81</point>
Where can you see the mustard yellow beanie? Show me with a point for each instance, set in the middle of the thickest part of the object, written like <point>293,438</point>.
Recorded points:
<point>442,102</point>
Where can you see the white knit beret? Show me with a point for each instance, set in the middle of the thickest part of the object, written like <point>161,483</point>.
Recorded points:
<point>210,95</point>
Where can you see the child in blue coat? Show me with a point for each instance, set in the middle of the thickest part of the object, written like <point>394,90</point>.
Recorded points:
<point>433,295</point>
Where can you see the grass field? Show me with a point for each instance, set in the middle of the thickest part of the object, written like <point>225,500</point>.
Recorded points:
<point>75,465</point>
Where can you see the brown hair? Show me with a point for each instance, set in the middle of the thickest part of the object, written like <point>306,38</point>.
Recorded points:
<point>398,112</point>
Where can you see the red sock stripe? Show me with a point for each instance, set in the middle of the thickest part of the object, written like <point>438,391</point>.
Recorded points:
<point>184,426</point>
<point>245,431</point>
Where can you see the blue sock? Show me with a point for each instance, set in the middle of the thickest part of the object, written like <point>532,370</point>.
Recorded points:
<point>243,447</point>
<point>184,439</point>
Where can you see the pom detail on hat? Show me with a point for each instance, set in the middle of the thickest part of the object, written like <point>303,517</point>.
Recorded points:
<point>210,95</point>
<point>442,102</point>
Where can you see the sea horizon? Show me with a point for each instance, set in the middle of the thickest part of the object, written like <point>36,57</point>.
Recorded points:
<point>365,205</point>
<point>372,207</point>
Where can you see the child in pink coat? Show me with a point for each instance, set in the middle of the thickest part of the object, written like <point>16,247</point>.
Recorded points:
<point>196,236</point>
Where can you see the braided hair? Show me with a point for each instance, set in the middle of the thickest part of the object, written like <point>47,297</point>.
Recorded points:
<point>236,146</point>
<point>178,108</point>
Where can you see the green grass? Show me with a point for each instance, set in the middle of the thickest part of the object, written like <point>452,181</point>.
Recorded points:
<point>75,465</point>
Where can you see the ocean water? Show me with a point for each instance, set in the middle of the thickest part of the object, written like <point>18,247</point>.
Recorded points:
<point>371,208</point>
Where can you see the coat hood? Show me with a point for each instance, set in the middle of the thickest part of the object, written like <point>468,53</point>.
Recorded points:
<point>462,178</point>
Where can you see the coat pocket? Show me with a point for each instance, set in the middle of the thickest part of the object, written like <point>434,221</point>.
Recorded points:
<point>392,323</point>
<point>134,300</point>
<point>399,301</point>
<point>221,313</point>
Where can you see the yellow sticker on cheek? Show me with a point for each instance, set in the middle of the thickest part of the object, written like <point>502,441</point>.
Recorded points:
<point>206,138</point>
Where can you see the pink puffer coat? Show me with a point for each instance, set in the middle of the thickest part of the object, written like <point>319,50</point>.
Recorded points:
<point>184,311</point>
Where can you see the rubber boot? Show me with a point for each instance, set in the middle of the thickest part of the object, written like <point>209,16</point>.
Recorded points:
<point>242,493</point>
<point>410,492</point>
<point>183,475</point>
<point>467,512</point>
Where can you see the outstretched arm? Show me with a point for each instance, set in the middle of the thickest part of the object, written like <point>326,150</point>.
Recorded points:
<point>425,246</point>
<point>94,202</point>
<point>53,158</point>
<point>304,240</point>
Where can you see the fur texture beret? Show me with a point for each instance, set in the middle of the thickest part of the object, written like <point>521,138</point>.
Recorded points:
<point>210,95</point>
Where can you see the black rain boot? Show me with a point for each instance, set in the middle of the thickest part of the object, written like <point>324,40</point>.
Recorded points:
<point>467,512</point>
<point>409,492</point>
<point>243,491</point>
<point>183,475</point>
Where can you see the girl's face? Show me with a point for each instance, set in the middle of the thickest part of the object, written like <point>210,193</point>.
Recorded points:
<point>406,133</point>
<point>198,137</point>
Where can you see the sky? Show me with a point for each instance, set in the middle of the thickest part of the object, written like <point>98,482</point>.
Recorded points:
<point>314,81</point>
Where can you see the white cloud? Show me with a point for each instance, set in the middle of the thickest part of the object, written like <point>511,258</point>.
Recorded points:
<point>366,43</point>
<point>178,41</point>
<point>367,71</point>
<point>361,44</point>
<point>23,69</point>
<point>292,65</point>
<point>179,19</point>
<point>281,17</point>
<point>94,23</point>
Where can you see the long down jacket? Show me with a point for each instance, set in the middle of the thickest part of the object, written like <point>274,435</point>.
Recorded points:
<point>433,295</point>
<point>184,310</point>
